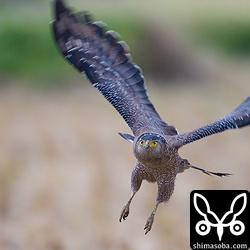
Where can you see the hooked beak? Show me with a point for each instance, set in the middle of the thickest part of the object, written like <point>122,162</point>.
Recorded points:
<point>147,145</point>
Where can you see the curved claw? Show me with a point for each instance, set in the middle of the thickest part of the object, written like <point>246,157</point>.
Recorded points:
<point>124,213</point>
<point>150,220</point>
<point>125,210</point>
<point>149,224</point>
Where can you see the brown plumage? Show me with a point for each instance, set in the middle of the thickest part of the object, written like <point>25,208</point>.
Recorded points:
<point>106,63</point>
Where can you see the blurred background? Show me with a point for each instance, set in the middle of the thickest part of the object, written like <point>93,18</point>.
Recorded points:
<point>65,172</point>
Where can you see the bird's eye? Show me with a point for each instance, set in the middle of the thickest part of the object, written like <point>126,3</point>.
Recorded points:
<point>152,144</point>
<point>142,143</point>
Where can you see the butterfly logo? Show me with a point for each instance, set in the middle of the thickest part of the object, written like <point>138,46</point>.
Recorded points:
<point>203,227</point>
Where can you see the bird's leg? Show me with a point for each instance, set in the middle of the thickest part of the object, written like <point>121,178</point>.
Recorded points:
<point>209,172</point>
<point>136,181</point>
<point>125,210</point>
<point>150,220</point>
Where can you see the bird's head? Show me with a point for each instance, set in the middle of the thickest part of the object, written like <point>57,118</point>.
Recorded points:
<point>149,147</point>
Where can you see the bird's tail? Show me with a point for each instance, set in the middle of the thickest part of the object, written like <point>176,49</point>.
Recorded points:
<point>210,172</point>
<point>187,165</point>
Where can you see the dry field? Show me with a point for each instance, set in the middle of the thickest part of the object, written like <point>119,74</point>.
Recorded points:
<point>65,172</point>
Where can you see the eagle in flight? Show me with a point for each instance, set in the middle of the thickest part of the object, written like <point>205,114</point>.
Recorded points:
<point>106,62</point>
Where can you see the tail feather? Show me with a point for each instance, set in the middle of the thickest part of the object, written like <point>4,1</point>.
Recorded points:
<point>220,174</point>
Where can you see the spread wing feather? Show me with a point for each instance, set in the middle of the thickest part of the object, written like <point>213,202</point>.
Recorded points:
<point>237,118</point>
<point>105,61</point>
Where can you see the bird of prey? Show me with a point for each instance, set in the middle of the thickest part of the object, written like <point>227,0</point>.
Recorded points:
<point>106,62</point>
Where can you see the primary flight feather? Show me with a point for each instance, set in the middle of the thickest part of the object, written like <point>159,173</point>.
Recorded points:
<point>105,61</point>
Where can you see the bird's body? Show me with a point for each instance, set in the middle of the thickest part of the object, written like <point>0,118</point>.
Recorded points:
<point>155,164</point>
<point>106,62</point>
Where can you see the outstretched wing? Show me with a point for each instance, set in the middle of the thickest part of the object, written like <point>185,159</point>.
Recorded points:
<point>105,61</point>
<point>237,118</point>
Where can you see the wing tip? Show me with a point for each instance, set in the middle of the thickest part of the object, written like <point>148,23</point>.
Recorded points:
<point>59,8</point>
<point>84,17</point>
